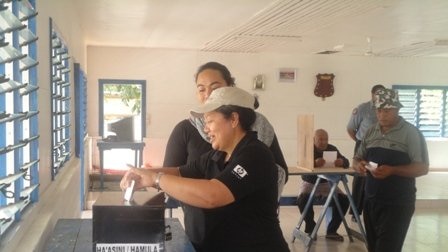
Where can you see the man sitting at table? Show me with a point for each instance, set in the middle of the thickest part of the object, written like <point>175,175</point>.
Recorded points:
<point>323,189</point>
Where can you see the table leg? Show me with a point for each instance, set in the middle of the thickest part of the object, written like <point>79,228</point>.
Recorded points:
<point>297,233</point>
<point>355,212</point>
<point>309,241</point>
<point>342,214</point>
<point>141,157</point>
<point>135,158</point>
<point>326,205</point>
<point>101,170</point>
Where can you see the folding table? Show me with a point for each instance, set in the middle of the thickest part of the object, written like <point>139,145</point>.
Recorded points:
<point>334,177</point>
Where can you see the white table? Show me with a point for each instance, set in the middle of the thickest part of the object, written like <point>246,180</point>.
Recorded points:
<point>137,147</point>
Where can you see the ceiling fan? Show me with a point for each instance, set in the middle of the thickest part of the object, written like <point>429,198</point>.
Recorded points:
<point>336,49</point>
<point>369,51</point>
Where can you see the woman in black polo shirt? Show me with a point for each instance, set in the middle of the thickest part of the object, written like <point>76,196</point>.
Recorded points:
<point>187,142</point>
<point>235,183</point>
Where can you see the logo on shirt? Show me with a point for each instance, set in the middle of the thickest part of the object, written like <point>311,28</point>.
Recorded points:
<point>239,171</point>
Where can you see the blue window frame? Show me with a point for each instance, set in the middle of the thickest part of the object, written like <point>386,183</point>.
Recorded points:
<point>134,87</point>
<point>80,121</point>
<point>426,107</point>
<point>60,101</point>
<point>81,108</point>
<point>19,132</point>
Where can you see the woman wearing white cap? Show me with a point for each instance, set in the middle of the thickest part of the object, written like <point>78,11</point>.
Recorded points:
<point>188,141</point>
<point>235,183</point>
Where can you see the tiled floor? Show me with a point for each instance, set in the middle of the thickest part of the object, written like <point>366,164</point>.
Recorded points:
<point>428,230</point>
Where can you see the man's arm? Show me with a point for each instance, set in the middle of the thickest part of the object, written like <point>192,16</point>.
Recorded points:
<point>352,134</point>
<point>411,170</point>
<point>344,162</point>
<point>354,122</point>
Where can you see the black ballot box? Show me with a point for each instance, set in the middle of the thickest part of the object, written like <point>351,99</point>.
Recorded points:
<point>136,225</point>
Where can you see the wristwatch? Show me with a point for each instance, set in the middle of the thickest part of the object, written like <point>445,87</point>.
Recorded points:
<point>157,182</point>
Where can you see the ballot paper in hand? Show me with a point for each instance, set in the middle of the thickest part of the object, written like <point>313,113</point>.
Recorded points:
<point>129,191</point>
<point>371,166</point>
<point>330,157</point>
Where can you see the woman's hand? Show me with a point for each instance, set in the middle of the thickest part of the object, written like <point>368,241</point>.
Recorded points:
<point>142,177</point>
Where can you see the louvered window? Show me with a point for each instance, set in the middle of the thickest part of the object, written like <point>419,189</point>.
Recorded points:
<point>60,100</point>
<point>425,107</point>
<point>19,136</point>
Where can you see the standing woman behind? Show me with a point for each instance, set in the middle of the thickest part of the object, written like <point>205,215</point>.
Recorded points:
<point>234,184</point>
<point>188,142</point>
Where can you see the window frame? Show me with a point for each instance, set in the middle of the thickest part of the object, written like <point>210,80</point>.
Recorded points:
<point>60,101</point>
<point>19,131</point>
<point>419,108</point>
<point>102,82</point>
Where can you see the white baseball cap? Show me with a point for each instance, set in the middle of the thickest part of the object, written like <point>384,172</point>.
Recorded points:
<point>225,96</point>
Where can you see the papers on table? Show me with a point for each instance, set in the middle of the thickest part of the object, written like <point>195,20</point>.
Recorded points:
<point>329,157</point>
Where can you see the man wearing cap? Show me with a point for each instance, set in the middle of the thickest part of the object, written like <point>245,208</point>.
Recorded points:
<point>362,118</point>
<point>235,184</point>
<point>392,154</point>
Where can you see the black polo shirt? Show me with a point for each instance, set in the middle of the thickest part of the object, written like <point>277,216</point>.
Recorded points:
<point>250,223</point>
<point>401,145</point>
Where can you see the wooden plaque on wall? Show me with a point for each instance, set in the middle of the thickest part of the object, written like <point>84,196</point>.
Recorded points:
<point>305,142</point>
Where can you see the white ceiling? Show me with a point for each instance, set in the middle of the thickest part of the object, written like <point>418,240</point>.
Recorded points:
<point>395,28</point>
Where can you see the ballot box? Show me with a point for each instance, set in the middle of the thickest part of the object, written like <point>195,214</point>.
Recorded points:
<point>136,225</point>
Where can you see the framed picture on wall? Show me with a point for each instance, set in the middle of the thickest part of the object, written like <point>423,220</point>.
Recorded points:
<point>287,74</point>
<point>259,82</point>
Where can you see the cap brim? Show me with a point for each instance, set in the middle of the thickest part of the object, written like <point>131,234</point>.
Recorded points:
<point>201,110</point>
<point>389,106</point>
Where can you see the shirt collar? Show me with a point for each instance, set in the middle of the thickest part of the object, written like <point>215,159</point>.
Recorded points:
<point>219,156</point>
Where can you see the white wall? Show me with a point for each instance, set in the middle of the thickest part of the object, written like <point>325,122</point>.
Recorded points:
<point>170,89</point>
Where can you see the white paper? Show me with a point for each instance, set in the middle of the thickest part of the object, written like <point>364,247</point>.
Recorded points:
<point>330,157</point>
<point>129,191</point>
<point>371,166</point>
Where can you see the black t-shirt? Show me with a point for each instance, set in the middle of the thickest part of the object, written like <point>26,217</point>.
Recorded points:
<point>250,223</point>
<point>185,144</point>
